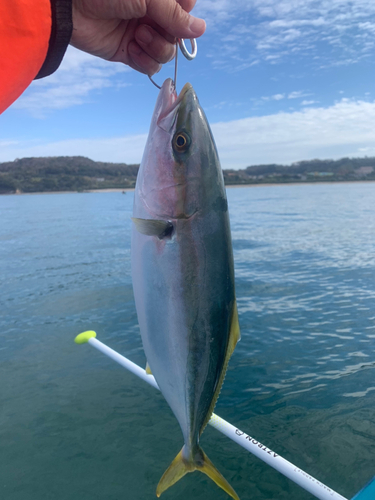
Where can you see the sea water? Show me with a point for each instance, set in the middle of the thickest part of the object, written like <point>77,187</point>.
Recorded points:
<point>75,425</point>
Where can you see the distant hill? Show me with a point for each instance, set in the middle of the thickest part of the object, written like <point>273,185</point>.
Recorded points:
<point>77,173</point>
<point>64,173</point>
<point>345,169</point>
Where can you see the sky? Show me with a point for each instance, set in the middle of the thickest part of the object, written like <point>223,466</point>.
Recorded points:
<point>280,81</point>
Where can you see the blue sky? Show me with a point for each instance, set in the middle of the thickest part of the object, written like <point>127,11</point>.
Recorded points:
<point>279,80</point>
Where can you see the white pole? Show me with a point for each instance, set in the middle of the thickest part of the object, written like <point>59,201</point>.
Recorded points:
<point>126,363</point>
<point>298,476</point>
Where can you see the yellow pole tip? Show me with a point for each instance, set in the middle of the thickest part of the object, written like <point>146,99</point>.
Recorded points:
<point>84,337</point>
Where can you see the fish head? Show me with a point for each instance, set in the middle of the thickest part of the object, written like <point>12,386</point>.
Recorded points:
<point>180,169</point>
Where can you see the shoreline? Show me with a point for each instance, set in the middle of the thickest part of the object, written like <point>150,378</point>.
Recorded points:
<point>303,183</point>
<point>230,186</point>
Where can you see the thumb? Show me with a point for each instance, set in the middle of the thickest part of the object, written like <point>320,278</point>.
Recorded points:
<point>174,19</point>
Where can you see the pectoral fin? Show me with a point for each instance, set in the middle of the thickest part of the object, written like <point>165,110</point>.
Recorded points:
<point>153,227</point>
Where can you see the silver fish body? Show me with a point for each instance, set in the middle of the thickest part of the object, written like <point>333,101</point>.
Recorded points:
<point>182,269</point>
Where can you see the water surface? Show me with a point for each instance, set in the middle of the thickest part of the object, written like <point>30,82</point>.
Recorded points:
<point>74,425</point>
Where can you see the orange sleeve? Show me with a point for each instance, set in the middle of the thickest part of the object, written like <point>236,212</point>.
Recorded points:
<point>25,28</point>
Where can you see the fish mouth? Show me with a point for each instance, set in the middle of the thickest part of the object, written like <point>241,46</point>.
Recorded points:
<point>171,103</point>
<point>188,86</point>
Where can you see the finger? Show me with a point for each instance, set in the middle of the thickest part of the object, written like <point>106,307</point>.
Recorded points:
<point>140,61</point>
<point>147,20</point>
<point>187,5</point>
<point>174,19</point>
<point>155,45</point>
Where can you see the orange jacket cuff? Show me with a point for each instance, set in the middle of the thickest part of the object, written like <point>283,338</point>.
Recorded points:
<point>31,42</point>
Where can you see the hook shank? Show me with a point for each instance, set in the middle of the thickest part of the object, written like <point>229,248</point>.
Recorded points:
<point>189,56</point>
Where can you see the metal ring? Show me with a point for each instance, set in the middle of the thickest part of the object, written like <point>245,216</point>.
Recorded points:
<point>189,56</point>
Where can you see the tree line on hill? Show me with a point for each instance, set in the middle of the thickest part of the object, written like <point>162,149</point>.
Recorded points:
<point>345,169</point>
<point>77,173</point>
<point>64,173</point>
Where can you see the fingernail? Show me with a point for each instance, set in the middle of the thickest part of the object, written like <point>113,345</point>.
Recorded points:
<point>144,35</point>
<point>197,26</point>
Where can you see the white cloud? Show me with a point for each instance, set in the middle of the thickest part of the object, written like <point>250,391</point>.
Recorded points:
<point>128,149</point>
<point>275,97</point>
<point>343,129</point>
<point>367,150</point>
<point>308,103</point>
<point>296,94</point>
<point>329,31</point>
<point>283,23</point>
<point>78,76</point>
<point>5,143</point>
<point>333,132</point>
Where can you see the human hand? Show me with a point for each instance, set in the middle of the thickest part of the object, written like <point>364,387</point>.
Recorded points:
<point>139,33</point>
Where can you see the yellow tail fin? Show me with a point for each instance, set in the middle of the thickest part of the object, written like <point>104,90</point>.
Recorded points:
<point>180,466</point>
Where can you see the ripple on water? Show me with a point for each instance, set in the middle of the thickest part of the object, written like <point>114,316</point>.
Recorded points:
<point>302,377</point>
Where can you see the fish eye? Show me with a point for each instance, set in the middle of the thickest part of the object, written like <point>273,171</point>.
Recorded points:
<point>181,142</point>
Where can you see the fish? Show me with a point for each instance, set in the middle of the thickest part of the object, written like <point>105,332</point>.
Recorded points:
<point>183,272</point>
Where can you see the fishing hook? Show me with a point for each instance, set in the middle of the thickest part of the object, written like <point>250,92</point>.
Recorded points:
<point>188,55</point>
